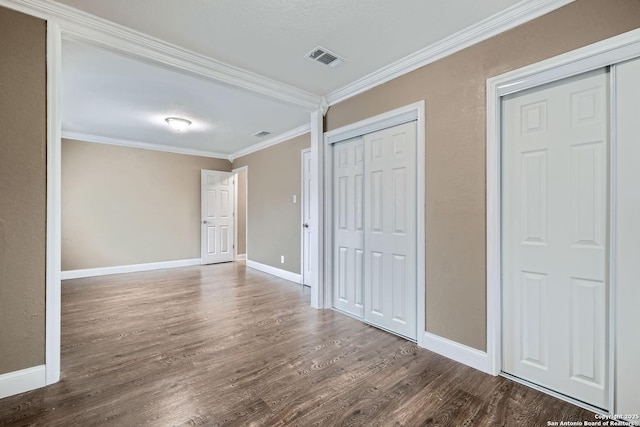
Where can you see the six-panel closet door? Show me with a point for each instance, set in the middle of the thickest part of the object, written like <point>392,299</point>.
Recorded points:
<point>555,238</point>
<point>374,231</point>
<point>348,226</point>
<point>390,229</point>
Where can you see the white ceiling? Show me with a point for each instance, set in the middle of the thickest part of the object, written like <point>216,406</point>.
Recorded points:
<point>109,95</point>
<point>115,96</point>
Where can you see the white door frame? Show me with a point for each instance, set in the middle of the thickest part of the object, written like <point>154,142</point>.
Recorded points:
<point>607,52</point>
<point>415,111</point>
<point>303,197</point>
<point>235,172</point>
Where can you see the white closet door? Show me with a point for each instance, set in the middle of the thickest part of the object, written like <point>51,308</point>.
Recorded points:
<point>627,269</point>
<point>555,292</point>
<point>390,229</point>
<point>348,220</point>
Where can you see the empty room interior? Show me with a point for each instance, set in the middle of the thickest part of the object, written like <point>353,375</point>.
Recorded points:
<point>298,212</point>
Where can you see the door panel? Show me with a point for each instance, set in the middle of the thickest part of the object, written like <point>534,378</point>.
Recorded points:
<point>390,229</point>
<point>555,204</point>
<point>217,239</point>
<point>348,238</point>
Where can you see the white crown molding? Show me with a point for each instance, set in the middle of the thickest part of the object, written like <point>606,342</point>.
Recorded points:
<point>507,19</point>
<point>80,25</point>
<point>300,130</point>
<point>143,145</point>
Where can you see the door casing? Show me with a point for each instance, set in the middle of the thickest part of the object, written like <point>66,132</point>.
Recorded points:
<point>599,55</point>
<point>305,197</point>
<point>235,172</point>
<point>411,112</point>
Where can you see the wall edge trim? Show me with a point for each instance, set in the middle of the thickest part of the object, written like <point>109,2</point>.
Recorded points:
<point>274,271</point>
<point>500,22</point>
<point>455,351</point>
<point>21,381</point>
<point>86,137</point>
<point>132,268</point>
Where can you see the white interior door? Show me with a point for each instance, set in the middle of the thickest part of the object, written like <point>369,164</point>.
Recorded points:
<point>627,268</point>
<point>348,220</point>
<point>217,235</point>
<point>555,204</point>
<point>390,229</point>
<point>307,185</point>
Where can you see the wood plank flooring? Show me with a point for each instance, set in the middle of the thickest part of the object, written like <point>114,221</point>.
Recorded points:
<point>224,345</point>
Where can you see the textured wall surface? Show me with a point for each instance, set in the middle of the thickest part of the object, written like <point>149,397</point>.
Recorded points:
<point>274,223</point>
<point>454,89</point>
<point>123,206</point>
<point>22,190</point>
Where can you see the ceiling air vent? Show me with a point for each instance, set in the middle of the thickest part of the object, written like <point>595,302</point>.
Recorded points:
<point>262,133</point>
<point>325,57</point>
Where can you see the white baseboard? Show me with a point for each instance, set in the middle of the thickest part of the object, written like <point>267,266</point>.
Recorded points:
<point>92,272</point>
<point>284,274</point>
<point>459,352</point>
<point>241,257</point>
<point>18,382</point>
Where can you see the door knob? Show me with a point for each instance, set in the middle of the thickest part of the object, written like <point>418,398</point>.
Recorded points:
<point>204,221</point>
<point>305,225</point>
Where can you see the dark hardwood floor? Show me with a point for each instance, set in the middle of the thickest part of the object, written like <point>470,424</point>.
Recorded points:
<point>221,345</point>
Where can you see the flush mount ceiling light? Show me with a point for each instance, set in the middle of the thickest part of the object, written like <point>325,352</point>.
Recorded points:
<point>177,123</point>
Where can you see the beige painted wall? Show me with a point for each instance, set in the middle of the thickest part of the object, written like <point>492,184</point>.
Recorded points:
<point>454,91</point>
<point>274,220</point>
<point>22,190</point>
<point>241,182</point>
<point>123,206</point>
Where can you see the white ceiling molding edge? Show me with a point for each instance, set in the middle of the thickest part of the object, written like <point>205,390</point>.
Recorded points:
<point>285,136</point>
<point>143,145</point>
<point>89,28</point>
<point>507,19</point>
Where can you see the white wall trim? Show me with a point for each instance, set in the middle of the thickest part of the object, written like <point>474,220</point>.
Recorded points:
<point>283,137</point>
<point>53,305</point>
<point>373,124</point>
<point>414,111</point>
<point>78,136</point>
<point>597,55</point>
<point>236,171</point>
<point>83,26</point>
<point>133,268</point>
<point>278,272</point>
<point>319,280</point>
<point>507,19</point>
<point>302,200</point>
<point>17,382</point>
<point>453,350</point>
